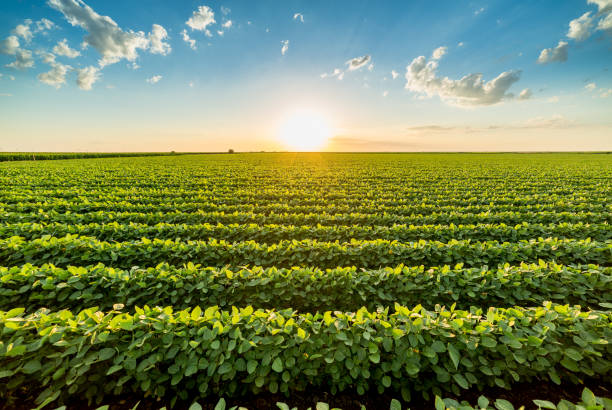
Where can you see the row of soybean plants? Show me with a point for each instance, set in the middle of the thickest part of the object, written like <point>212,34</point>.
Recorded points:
<point>77,250</point>
<point>115,231</point>
<point>303,289</point>
<point>198,217</point>
<point>163,353</point>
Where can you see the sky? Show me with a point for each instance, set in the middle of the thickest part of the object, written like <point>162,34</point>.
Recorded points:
<point>185,75</point>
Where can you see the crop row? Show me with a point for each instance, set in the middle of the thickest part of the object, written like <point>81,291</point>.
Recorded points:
<point>276,208</point>
<point>456,218</point>
<point>191,353</point>
<point>39,156</point>
<point>75,250</point>
<point>115,231</point>
<point>303,289</point>
<point>292,198</point>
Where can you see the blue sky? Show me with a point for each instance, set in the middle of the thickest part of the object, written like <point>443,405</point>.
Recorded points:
<point>139,85</point>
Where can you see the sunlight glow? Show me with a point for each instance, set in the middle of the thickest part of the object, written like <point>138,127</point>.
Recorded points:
<point>304,130</point>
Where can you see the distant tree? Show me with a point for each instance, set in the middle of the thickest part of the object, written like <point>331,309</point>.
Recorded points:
<point>172,152</point>
<point>230,151</point>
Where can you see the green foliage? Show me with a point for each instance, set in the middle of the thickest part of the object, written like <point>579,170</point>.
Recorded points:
<point>303,289</point>
<point>161,352</point>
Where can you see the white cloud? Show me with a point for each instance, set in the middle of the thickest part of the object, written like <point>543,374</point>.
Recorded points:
<point>44,25</point>
<point>154,80</point>
<point>9,45</point>
<point>394,74</point>
<point>156,37</point>
<point>371,67</point>
<point>525,94</point>
<point>556,54</point>
<point>602,5</point>
<point>23,60</point>
<point>579,29</point>
<point>385,93</point>
<point>358,62</point>
<point>421,77</point>
<point>556,121</point>
<point>55,77</point>
<point>480,10</point>
<point>219,32</point>
<point>63,49</point>
<point>285,46</point>
<point>460,44</point>
<point>225,10</point>
<point>338,73</point>
<point>188,40</point>
<point>439,52</point>
<point>590,86</point>
<point>201,19</point>
<point>113,43</point>
<point>606,93</point>
<point>23,30</point>
<point>87,76</point>
<point>298,16</point>
<point>227,24</point>
<point>605,23</point>
<point>11,77</point>
<point>191,84</point>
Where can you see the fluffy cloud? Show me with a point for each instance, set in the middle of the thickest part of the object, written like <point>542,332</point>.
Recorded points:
<point>556,54</point>
<point>188,40</point>
<point>113,43</point>
<point>55,77</point>
<point>23,30</point>
<point>439,52</point>
<point>44,25</point>
<point>590,86</point>
<point>525,94</point>
<point>394,74</point>
<point>156,37</point>
<point>579,29</point>
<point>87,76</point>
<point>23,60</point>
<point>63,49</point>
<point>154,80</point>
<point>358,62</point>
<point>201,19</point>
<point>298,16</point>
<point>227,24</point>
<point>385,93</point>
<point>421,77</point>
<point>285,46</point>
<point>9,45</point>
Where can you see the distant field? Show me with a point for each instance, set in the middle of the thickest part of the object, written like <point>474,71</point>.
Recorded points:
<point>40,156</point>
<point>247,276</point>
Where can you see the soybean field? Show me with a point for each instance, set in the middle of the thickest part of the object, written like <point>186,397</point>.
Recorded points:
<point>374,280</point>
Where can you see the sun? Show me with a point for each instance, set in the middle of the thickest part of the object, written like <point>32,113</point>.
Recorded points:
<point>304,130</point>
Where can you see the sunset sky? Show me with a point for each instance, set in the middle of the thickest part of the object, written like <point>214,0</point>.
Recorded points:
<point>161,75</point>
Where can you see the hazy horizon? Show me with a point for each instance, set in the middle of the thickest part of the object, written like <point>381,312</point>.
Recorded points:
<point>207,76</point>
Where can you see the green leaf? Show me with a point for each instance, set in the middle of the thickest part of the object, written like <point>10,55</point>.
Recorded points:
<point>502,404</point>
<point>322,406</point>
<point>282,406</point>
<point>395,405</point>
<point>221,404</point>
<point>251,366</point>
<point>196,406</point>
<point>277,365</point>
<point>439,403</point>
<point>461,380</point>
<point>106,353</point>
<point>545,404</point>
<point>454,355</point>
<point>483,402</point>
<point>32,366</point>
<point>588,397</point>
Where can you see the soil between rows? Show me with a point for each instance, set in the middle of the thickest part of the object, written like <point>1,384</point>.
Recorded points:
<point>522,394</point>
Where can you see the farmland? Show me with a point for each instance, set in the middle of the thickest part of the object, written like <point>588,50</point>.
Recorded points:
<point>407,276</point>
